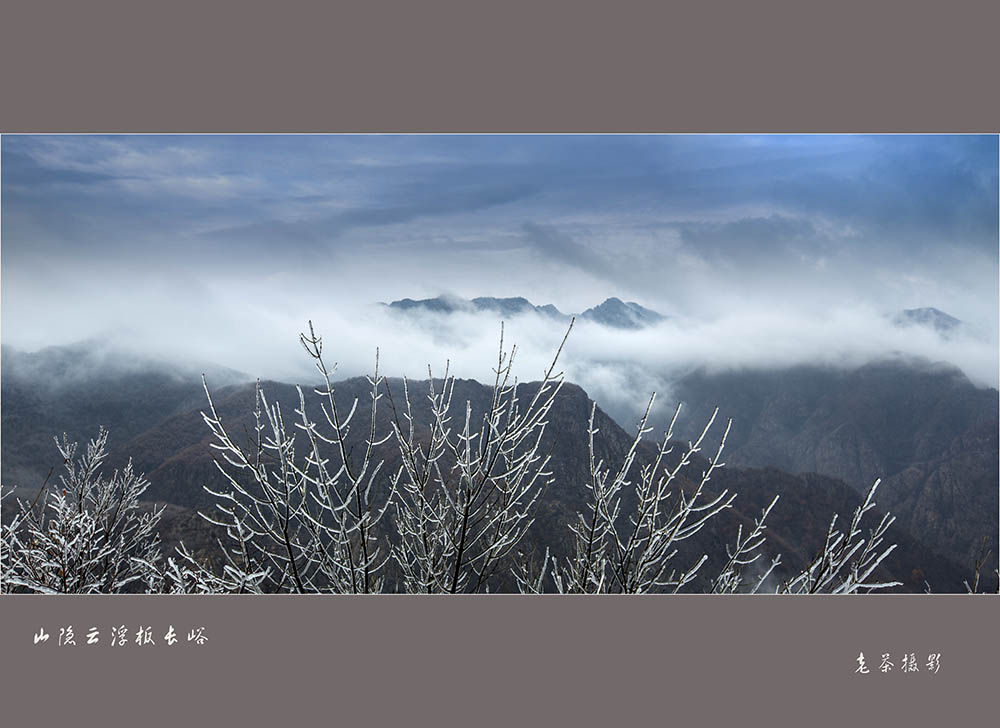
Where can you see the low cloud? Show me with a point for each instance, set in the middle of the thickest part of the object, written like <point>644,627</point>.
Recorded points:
<point>252,326</point>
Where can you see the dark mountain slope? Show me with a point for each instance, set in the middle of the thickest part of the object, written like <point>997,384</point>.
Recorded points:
<point>74,389</point>
<point>924,429</point>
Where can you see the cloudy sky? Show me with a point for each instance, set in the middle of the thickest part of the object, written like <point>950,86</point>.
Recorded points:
<point>762,249</point>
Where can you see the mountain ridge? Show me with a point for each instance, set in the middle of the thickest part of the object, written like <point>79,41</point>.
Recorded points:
<point>612,312</point>
<point>928,317</point>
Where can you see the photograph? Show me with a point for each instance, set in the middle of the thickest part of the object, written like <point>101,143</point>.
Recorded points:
<point>492,364</point>
<point>557,364</point>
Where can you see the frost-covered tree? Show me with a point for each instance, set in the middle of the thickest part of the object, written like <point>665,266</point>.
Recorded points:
<point>633,551</point>
<point>464,498</point>
<point>10,543</point>
<point>302,515</point>
<point>89,536</point>
<point>848,559</point>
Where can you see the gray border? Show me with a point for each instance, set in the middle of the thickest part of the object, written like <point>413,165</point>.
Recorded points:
<point>502,660</point>
<point>514,67</point>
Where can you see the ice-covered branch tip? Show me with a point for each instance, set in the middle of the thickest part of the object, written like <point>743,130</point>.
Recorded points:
<point>91,537</point>
<point>847,560</point>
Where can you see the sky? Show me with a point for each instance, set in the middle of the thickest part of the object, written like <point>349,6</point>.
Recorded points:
<point>762,250</point>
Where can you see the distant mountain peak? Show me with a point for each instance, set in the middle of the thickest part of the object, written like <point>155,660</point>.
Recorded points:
<point>613,312</point>
<point>622,315</point>
<point>440,304</point>
<point>928,317</point>
<point>447,304</point>
<point>513,306</point>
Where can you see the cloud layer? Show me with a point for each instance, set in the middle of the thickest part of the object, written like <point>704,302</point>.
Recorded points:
<point>765,251</point>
